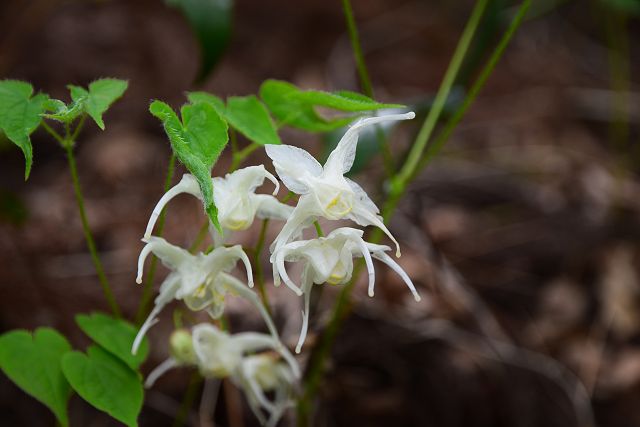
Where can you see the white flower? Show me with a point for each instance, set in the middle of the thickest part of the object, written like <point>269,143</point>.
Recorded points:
<point>201,281</point>
<point>325,192</point>
<point>234,196</point>
<point>220,355</point>
<point>330,260</point>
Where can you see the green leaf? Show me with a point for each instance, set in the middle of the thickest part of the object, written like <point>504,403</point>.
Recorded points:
<point>33,363</point>
<point>210,21</point>
<point>102,93</point>
<point>105,382</point>
<point>343,100</point>
<point>114,335</point>
<point>217,103</point>
<point>198,141</point>
<point>281,99</point>
<point>20,116</point>
<point>250,117</point>
<point>297,108</point>
<point>64,113</point>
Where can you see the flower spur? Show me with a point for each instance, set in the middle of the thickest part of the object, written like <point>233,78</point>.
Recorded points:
<point>201,281</point>
<point>330,260</point>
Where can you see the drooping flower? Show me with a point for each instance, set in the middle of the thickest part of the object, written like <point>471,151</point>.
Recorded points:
<point>220,355</point>
<point>202,281</point>
<point>330,260</point>
<point>325,191</point>
<point>234,196</point>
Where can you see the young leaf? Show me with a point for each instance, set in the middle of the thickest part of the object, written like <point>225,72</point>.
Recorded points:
<point>114,335</point>
<point>217,103</point>
<point>64,113</point>
<point>250,117</point>
<point>33,363</point>
<point>342,100</point>
<point>102,93</point>
<point>197,141</point>
<point>296,108</point>
<point>105,382</point>
<point>280,98</point>
<point>20,115</point>
<point>210,22</point>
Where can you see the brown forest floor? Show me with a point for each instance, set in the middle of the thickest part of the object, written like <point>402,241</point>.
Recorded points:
<point>523,237</point>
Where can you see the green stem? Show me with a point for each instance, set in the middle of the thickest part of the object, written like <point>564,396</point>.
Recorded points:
<point>363,73</point>
<point>102,278</point>
<point>365,83</point>
<point>202,234</point>
<point>258,265</point>
<point>404,175</point>
<point>240,156</point>
<point>319,231</point>
<point>147,290</point>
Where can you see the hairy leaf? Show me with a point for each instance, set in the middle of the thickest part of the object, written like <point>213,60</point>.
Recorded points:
<point>33,363</point>
<point>198,141</point>
<point>103,93</point>
<point>114,335</point>
<point>105,382</point>
<point>20,116</point>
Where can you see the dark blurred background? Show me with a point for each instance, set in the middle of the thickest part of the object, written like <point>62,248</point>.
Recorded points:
<point>522,236</point>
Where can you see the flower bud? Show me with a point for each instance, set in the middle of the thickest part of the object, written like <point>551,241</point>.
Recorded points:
<point>181,347</point>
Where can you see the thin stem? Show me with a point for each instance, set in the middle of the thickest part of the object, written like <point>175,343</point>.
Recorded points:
<point>417,149</point>
<point>102,278</point>
<point>53,133</point>
<point>319,231</point>
<point>363,73</point>
<point>240,156</point>
<point>365,83</point>
<point>147,290</point>
<point>258,265</point>
<point>188,400</point>
<point>202,234</point>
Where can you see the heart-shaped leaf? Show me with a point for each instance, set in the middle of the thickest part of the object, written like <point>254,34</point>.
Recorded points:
<point>114,335</point>
<point>33,363</point>
<point>20,115</point>
<point>105,382</point>
<point>198,141</point>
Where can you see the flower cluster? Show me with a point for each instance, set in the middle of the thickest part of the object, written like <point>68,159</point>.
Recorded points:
<point>203,280</point>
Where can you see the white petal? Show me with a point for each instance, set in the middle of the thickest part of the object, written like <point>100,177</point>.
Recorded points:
<point>394,265</point>
<point>282,271</point>
<point>306,288</point>
<point>172,256</point>
<point>367,258</point>
<point>167,293</point>
<point>238,287</point>
<point>187,184</point>
<point>292,165</point>
<point>365,217</point>
<point>159,371</point>
<point>341,158</point>
<point>270,207</point>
